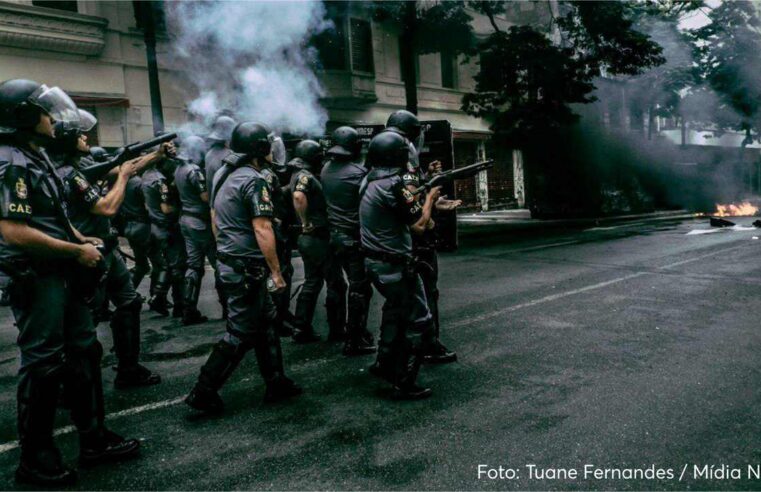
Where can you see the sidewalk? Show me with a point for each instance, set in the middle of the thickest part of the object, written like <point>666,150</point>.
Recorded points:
<point>500,221</point>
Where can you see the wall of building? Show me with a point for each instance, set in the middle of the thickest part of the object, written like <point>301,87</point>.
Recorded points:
<point>97,54</point>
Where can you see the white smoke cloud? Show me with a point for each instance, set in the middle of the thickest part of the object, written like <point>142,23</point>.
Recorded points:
<point>252,57</point>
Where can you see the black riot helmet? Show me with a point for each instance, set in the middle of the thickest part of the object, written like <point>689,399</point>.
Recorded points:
<point>405,122</point>
<point>222,129</point>
<point>66,136</point>
<point>193,149</point>
<point>252,139</point>
<point>310,152</point>
<point>346,143</point>
<point>388,149</point>
<point>99,154</point>
<point>22,101</point>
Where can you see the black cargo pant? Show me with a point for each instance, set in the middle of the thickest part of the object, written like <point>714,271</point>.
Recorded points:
<point>348,254</point>
<point>282,300</point>
<point>427,261</point>
<point>138,235</point>
<point>320,267</point>
<point>168,256</point>
<point>125,322</point>
<point>199,246</point>
<point>406,321</point>
<point>58,348</point>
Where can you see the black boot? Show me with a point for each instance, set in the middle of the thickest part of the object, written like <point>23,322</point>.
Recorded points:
<point>125,329</point>
<point>407,367</point>
<point>269,357</point>
<point>335,306</point>
<point>436,353</point>
<point>191,315</point>
<point>159,304</point>
<point>104,446</point>
<point>40,462</point>
<point>221,363</point>
<point>97,444</point>
<point>304,335</point>
<point>359,345</point>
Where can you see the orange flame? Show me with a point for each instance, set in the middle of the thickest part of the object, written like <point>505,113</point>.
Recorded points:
<point>744,209</point>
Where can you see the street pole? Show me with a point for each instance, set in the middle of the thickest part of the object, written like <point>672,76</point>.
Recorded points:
<point>149,34</point>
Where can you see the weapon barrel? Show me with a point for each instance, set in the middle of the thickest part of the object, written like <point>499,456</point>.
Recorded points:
<point>98,171</point>
<point>455,174</point>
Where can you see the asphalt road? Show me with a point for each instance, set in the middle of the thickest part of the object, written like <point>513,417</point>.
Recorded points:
<point>620,347</point>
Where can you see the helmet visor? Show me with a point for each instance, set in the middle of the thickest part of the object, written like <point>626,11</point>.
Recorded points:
<point>56,103</point>
<point>86,121</point>
<point>278,149</point>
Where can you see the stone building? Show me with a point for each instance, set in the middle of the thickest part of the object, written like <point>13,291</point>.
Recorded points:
<point>95,51</point>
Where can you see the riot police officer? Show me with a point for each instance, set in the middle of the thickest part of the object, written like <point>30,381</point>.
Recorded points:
<point>247,261</point>
<point>389,214</point>
<point>167,248</point>
<point>341,179</point>
<point>45,262</point>
<point>89,209</point>
<point>424,245</point>
<point>320,265</point>
<point>137,230</point>
<point>195,223</point>
<point>219,148</point>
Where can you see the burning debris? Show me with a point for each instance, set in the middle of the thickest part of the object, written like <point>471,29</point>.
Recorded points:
<point>744,209</point>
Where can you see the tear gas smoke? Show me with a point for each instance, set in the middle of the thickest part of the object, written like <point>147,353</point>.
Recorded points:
<point>252,58</point>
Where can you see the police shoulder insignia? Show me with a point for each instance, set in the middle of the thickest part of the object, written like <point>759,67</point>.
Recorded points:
<point>304,179</point>
<point>265,195</point>
<point>408,196</point>
<point>268,178</point>
<point>81,182</point>
<point>21,190</point>
<point>164,188</point>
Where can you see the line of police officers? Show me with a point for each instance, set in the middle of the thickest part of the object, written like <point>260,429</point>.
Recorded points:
<point>236,204</point>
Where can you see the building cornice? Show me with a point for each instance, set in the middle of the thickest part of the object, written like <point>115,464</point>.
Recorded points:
<point>39,28</point>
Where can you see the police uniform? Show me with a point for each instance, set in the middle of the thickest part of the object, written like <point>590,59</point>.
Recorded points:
<point>240,194</point>
<point>137,228</point>
<point>320,264</point>
<point>167,244</point>
<point>195,223</point>
<point>283,211</point>
<point>56,337</point>
<point>214,159</point>
<point>387,209</point>
<point>341,180</point>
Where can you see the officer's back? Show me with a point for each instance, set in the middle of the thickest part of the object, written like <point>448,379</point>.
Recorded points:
<point>191,182</point>
<point>384,208</point>
<point>341,180</point>
<point>133,206</point>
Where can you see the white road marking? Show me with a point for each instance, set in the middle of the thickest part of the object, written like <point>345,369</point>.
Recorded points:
<point>10,446</point>
<point>560,295</point>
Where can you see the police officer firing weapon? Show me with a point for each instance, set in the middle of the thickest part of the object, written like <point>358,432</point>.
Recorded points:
<point>389,214</point>
<point>167,247</point>
<point>247,261</point>
<point>90,206</point>
<point>341,179</point>
<point>320,264</point>
<point>424,245</point>
<point>46,263</point>
<point>195,223</point>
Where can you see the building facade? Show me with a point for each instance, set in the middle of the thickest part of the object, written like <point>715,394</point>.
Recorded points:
<point>95,51</point>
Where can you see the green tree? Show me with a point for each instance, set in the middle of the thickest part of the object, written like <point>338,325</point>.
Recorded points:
<point>727,59</point>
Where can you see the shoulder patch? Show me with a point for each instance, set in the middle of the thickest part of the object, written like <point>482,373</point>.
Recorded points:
<point>408,196</point>
<point>304,179</point>
<point>164,188</point>
<point>81,182</point>
<point>265,195</point>
<point>21,190</point>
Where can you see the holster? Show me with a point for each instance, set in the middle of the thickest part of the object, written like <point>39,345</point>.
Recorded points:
<point>253,271</point>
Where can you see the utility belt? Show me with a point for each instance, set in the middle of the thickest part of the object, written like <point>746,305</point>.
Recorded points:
<point>320,232</point>
<point>196,215</point>
<point>254,271</point>
<point>392,258</point>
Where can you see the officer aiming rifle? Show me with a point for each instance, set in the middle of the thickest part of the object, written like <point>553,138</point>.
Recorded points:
<point>95,172</point>
<point>440,179</point>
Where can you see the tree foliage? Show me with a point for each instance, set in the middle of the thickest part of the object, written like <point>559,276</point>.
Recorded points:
<point>527,83</point>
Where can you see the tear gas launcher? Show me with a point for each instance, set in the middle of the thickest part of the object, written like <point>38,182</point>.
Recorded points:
<point>99,170</point>
<point>445,177</point>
